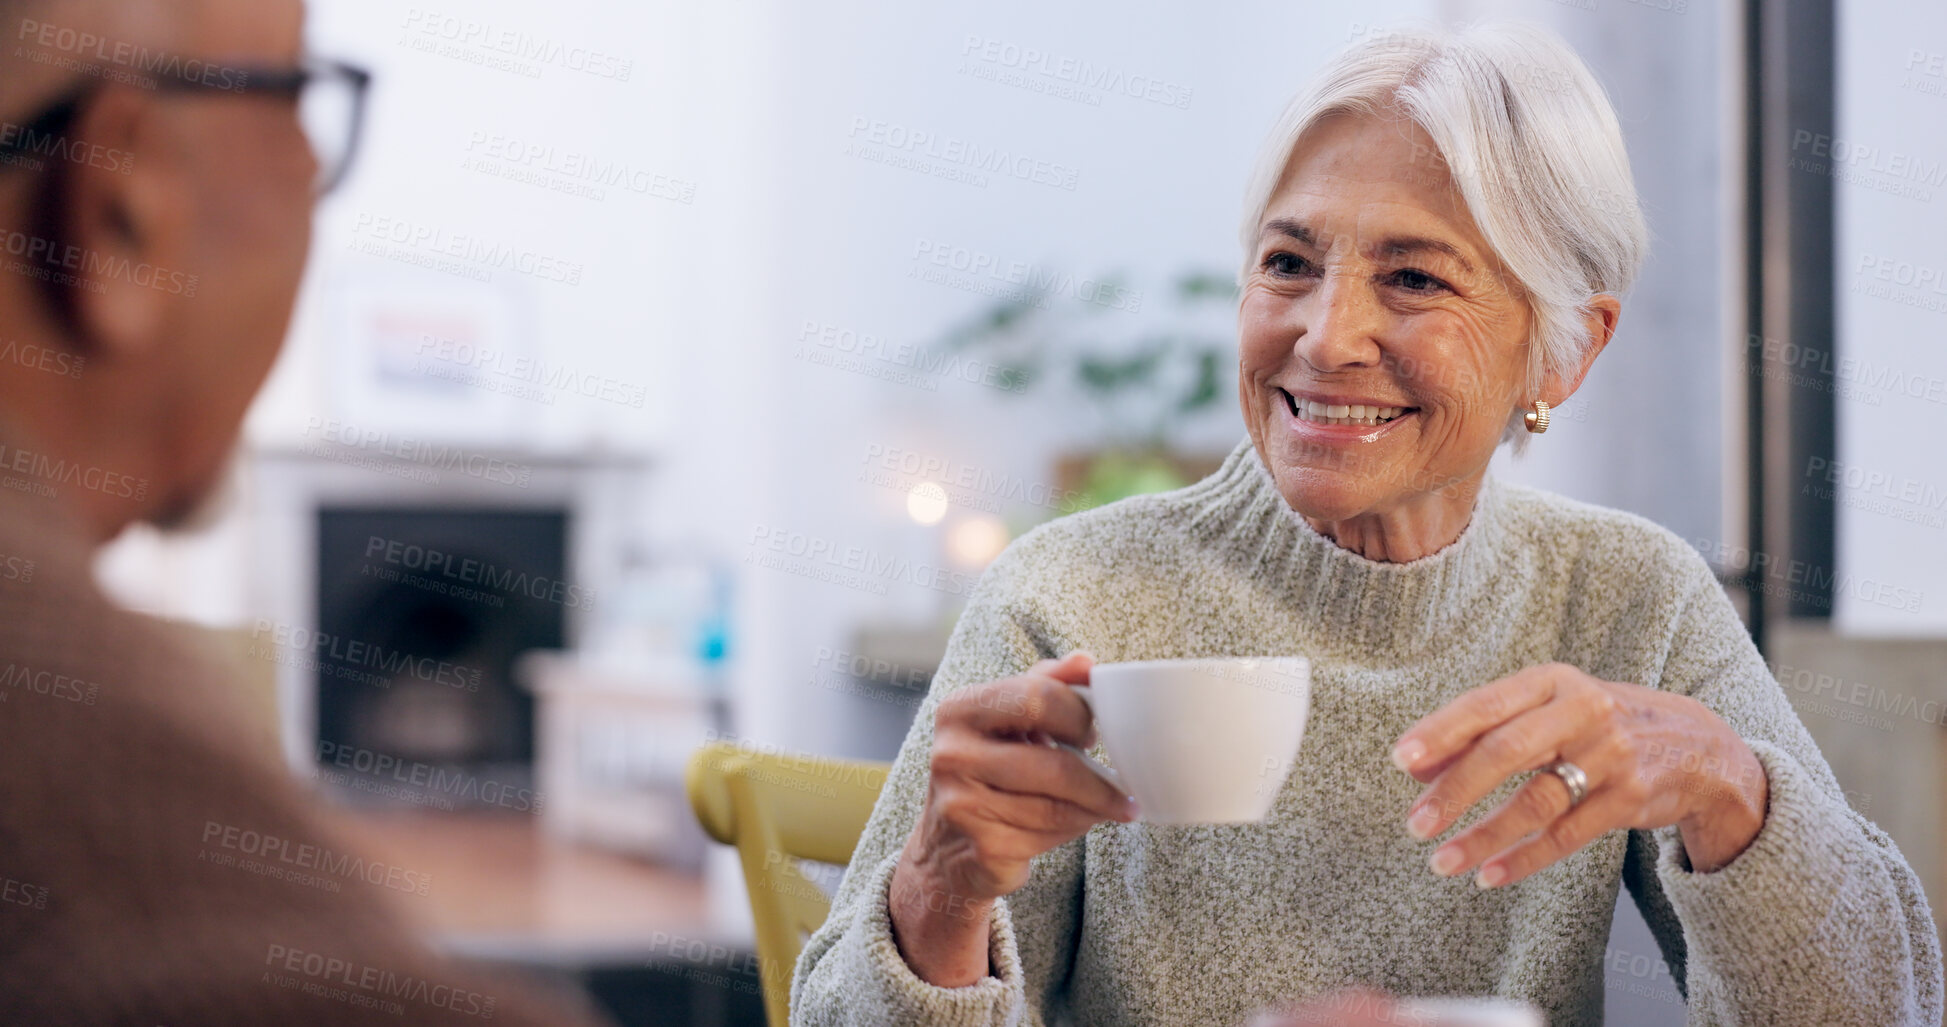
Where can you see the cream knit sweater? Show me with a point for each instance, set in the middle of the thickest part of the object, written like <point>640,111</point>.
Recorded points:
<point>1820,921</point>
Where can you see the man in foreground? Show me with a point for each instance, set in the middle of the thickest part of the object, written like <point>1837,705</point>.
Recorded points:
<point>155,196</point>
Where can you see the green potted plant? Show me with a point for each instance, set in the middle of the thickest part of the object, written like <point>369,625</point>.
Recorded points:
<point>1147,375</point>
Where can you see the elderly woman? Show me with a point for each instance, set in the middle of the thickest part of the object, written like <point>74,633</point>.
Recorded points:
<point>1435,240</point>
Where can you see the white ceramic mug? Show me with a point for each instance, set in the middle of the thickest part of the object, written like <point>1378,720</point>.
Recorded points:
<point>1435,1012</point>
<point>1200,741</point>
<point>1468,1012</point>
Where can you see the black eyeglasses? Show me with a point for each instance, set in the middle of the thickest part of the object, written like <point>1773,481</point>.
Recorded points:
<point>330,95</point>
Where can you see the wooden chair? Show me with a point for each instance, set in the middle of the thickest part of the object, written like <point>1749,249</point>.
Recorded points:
<point>778,809</point>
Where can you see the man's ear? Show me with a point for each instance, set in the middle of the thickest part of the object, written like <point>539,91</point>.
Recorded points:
<point>1599,322</point>
<point>128,220</point>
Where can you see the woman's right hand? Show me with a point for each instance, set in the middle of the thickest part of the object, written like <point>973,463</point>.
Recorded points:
<point>998,795</point>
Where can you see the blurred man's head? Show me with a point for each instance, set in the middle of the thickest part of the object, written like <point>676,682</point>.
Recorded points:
<point>157,238</point>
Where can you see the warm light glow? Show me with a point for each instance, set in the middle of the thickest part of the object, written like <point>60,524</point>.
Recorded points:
<point>973,543</point>
<point>926,502</point>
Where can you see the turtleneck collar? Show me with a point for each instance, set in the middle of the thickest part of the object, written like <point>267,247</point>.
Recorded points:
<point>1353,604</point>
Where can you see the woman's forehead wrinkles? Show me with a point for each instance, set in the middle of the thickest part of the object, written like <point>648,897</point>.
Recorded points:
<point>1383,229</point>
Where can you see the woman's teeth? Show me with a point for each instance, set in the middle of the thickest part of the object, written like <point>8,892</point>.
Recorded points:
<point>1321,413</point>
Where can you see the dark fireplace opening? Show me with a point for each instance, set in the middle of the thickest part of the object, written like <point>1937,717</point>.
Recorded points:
<point>423,612</point>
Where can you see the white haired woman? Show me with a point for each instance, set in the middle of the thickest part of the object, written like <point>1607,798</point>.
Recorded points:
<point>1436,240</point>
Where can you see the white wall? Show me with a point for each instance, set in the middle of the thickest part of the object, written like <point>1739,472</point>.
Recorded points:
<point>432,114</point>
<point>1644,432</point>
<point>1889,155</point>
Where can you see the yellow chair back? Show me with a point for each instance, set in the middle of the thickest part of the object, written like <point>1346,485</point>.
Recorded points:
<point>777,809</point>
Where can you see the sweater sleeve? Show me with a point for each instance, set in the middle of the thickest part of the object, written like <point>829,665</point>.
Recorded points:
<point>851,970</point>
<point>181,876</point>
<point>1820,920</point>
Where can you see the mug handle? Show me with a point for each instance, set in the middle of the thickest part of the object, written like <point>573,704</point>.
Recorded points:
<point>1105,773</point>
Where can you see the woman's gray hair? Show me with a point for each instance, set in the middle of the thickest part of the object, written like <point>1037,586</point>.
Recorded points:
<point>1531,142</point>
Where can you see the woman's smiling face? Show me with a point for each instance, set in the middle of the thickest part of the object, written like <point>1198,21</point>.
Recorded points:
<point>1382,348</point>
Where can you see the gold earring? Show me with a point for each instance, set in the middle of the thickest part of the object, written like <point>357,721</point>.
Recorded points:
<point>1537,419</point>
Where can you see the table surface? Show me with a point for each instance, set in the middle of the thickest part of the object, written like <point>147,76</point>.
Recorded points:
<point>502,888</point>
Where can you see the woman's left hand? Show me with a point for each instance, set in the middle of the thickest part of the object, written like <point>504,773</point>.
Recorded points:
<point>1652,759</point>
